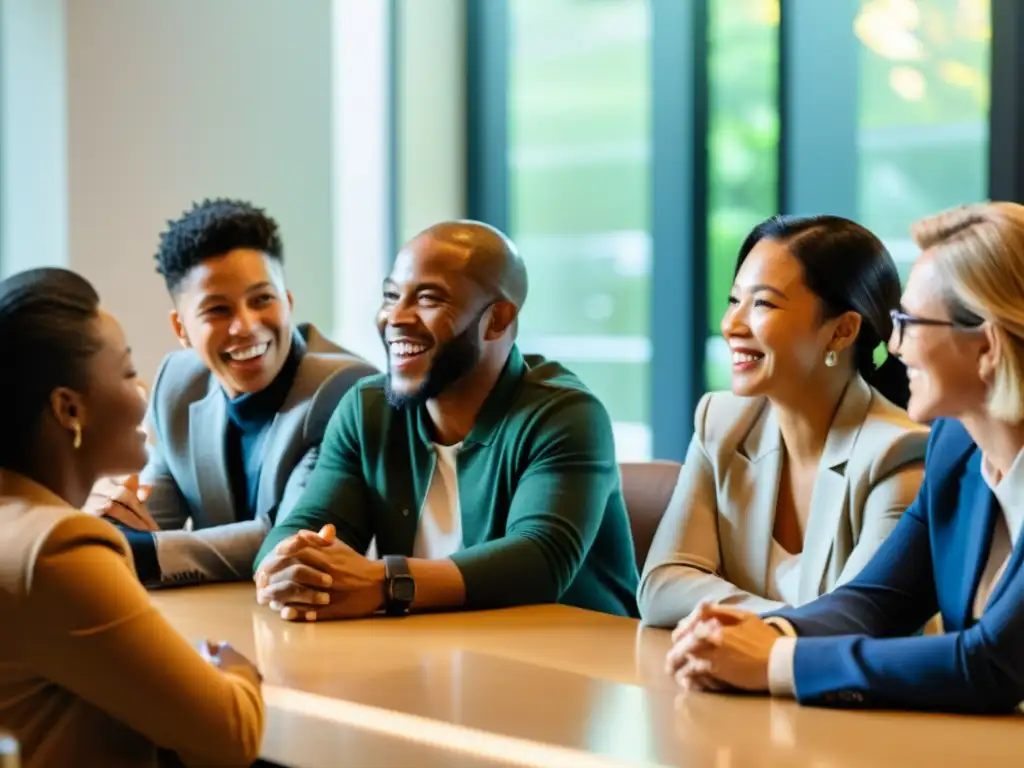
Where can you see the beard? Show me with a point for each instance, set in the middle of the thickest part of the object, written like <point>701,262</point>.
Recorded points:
<point>452,360</point>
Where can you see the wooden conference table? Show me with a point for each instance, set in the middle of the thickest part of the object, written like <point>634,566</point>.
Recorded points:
<point>539,686</point>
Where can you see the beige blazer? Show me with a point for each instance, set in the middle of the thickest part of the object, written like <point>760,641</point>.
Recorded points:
<point>715,540</point>
<point>90,672</point>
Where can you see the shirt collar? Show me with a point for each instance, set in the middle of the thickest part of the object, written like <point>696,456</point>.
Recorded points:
<point>1009,492</point>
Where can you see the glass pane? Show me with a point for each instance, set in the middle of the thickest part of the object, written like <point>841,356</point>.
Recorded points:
<point>923,113</point>
<point>579,161</point>
<point>743,140</point>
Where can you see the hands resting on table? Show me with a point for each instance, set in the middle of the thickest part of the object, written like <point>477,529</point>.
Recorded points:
<point>314,576</point>
<point>719,648</point>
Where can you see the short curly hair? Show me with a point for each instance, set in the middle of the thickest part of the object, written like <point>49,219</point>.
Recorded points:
<point>212,228</point>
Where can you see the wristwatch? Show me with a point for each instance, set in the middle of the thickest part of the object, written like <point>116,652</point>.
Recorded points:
<point>399,586</point>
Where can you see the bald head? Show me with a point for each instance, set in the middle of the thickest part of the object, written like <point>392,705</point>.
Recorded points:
<point>482,253</point>
<point>450,309</point>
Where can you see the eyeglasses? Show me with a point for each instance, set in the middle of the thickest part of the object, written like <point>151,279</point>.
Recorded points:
<point>900,321</point>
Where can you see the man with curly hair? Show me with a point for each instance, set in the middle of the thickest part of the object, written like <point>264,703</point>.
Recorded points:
<point>237,416</point>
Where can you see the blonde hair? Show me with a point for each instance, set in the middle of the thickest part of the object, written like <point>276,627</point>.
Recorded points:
<point>979,255</point>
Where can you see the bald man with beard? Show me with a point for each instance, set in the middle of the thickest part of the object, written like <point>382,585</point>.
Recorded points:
<point>486,478</point>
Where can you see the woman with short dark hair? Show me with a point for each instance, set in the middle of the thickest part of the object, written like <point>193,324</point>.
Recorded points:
<point>90,672</point>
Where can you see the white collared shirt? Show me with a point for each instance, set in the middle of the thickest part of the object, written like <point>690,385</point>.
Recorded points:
<point>1009,493</point>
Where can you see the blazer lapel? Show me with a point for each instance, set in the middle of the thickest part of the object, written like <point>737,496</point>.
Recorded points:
<point>281,436</point>
<point>757,492</point>
<point>830,496</point>
<point>287,423</point>
<point>207,425</point>
<point>975,531</point>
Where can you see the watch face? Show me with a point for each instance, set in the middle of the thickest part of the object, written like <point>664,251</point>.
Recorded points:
<point>403,589</point>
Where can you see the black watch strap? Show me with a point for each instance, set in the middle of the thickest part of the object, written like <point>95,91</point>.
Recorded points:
<point>399,587</point>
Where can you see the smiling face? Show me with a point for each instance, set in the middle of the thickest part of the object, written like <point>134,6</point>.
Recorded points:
<point>430,321</point>
<point>110,409</point>
<point>235,312</point>
<point>942,361</point>
<point>774,324</point>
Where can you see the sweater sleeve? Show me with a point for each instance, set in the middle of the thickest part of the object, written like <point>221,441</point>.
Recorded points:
<point>555,514</point>
<point>93,631</point>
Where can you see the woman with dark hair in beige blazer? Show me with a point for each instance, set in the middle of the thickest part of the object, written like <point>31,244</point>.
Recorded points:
<point>90,672</point>
<point>793,479</point>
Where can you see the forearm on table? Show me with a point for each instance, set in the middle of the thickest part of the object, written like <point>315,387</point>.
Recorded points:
<point>669,593</point>
<point>478,579</point>
<point>513,571</point>
<point>219,553</point>
<point>107,622</point>
<point>439,585</point>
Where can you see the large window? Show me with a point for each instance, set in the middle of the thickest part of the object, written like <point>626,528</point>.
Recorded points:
<point>743,138</point>
<point>616,139</point>
<point>579,147</point>
<point>923,113</point>
<point>920,107</point>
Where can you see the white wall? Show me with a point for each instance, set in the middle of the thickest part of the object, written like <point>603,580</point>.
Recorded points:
<point>170,102</point>
<point>33,141</point>
<point>116,114</point>
<point>431,142</point>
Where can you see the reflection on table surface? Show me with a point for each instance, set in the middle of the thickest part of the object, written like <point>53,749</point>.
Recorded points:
<point>545,686</point>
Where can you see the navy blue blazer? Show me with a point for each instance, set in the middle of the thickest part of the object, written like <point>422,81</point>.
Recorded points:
<point>857,646</point>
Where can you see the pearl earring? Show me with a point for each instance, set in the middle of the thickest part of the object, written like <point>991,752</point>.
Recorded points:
<point>830,359</point>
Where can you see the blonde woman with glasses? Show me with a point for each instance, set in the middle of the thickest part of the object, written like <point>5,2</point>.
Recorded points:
<point>956,551</point>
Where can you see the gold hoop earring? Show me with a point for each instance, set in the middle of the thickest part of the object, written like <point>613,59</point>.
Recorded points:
<point>77,429</point>
<point>831,359</point>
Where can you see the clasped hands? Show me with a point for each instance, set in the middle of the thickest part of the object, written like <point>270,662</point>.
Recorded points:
<point>315,577</point>
<point>719,648</point>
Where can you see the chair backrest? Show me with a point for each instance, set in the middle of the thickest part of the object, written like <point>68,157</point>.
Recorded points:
<point>10,757</point>
<point>647,488</point>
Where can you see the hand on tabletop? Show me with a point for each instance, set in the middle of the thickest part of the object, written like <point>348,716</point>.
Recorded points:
<point>226,658</point>
<point>315,577</point>
<point>123,500</point>
<point>719,648</point>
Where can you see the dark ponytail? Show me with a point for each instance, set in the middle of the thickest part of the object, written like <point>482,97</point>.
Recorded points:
<point>849,269</point>
<point>890,378</point>
<point>47,334</point>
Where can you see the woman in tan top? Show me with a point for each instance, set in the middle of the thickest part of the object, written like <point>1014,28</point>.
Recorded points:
<point>90,672</point>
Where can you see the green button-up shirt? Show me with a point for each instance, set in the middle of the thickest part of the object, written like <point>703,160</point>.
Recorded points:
<point>543,518</point>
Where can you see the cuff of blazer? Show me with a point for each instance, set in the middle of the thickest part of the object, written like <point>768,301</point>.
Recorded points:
<point>220,553</point>
<point>143,545</point>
